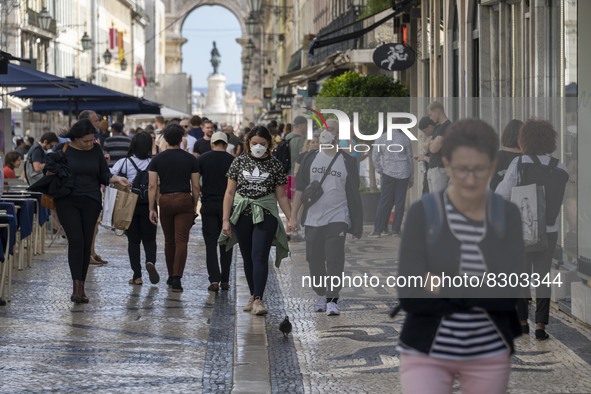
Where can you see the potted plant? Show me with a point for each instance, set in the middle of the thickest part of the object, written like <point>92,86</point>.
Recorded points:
<point>336,92</point>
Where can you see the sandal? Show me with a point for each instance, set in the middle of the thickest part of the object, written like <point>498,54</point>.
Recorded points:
<point>136,281</point>
<point>99,259</point>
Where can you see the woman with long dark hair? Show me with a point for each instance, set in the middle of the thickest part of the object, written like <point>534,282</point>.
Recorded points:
<point>141,230</point>
<point>256,183</point>
<point>509,151</point>
<point>78,212</point>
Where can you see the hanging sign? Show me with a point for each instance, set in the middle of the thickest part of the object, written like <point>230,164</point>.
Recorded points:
<point>394,57</point>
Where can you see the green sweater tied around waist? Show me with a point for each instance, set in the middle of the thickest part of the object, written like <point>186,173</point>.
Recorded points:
<point>257,206</point>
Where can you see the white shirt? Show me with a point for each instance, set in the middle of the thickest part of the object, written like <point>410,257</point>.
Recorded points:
<point>127,169</point>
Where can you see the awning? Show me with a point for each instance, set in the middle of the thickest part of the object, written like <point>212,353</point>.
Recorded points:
<point>313,72</point>
<point>22,76</point>
<point>82,91</point>
<point>165,112</point>
<point>103,106</point>
<point>86,96</point>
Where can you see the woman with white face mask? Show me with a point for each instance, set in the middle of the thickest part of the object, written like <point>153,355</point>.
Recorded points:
<point>256,183</point>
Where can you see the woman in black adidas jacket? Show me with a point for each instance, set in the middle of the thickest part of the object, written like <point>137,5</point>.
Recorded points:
<point>465,231</point>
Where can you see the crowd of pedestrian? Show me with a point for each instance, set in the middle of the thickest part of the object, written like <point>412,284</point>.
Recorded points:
<point>239,182</point>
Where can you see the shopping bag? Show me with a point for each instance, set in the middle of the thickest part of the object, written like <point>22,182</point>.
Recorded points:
<point>123,209</point>
<point>531,201</point>
<point>108,206</point>
<point>47,201</point>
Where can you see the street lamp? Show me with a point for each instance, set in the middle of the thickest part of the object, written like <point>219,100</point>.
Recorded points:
<point>123,64</point>
<point>251,24</point>
<point>255,5</point>
<point>44,19</point>
<point>107,56</point>
<point>250,48</point>
<point>86,42</point>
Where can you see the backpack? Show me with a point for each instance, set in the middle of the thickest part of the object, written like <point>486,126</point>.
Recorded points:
<point>140,183</point>
<point>30,175</point>
<point>552,178</point>
<point>435,215</point>
<point>283,153</point>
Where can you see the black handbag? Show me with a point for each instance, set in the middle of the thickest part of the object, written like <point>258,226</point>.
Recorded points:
<point>314,191</point>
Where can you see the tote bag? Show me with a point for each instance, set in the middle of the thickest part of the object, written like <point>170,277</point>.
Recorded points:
<point>530,199</point>
<point>118,207</point>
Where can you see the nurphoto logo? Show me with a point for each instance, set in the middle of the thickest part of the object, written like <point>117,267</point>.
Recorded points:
<point>390,119</point>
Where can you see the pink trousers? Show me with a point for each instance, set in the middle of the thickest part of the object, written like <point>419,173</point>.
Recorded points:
<point>424,374</point>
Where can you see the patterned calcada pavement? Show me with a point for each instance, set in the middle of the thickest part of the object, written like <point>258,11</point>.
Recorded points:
<point>147,339</point>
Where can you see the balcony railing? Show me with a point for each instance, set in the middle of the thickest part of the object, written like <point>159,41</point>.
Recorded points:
<point>33,20</point>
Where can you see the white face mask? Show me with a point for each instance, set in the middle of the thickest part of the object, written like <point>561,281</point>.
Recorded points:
<point>326,137</point>
<point>258,150</point>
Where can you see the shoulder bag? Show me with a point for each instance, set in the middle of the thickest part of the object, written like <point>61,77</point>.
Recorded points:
<point>314,191</point>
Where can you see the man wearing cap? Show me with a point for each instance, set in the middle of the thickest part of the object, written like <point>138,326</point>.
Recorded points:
<point>296,139</point>
<point>213,167</point>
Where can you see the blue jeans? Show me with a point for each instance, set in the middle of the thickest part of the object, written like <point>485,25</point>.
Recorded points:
<point>393,194</point>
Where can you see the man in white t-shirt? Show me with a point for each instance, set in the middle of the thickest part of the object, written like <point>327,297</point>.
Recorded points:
<point>188,140</point>
<point>337,212</point>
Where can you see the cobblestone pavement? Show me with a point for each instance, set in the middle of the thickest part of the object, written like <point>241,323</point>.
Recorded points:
<point>147,339</point>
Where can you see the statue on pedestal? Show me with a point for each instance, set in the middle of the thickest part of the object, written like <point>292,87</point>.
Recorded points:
<point>215,58</point>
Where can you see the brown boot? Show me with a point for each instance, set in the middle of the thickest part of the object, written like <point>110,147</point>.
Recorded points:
<point>75,297</point>
<point>79,297</point>
<point>83,296</point>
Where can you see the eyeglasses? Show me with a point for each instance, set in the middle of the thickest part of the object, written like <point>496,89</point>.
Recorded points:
<point>185,126</point>
<point>478,172</point>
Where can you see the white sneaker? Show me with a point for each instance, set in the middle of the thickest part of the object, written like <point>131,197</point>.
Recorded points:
<point>332,309</point>
<point>258,308</point>
<point>248,306</point>
<point>320,305</point>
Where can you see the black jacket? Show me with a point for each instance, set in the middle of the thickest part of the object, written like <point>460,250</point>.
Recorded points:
<point>351,189</point>
<point>58,180</point>
<point>502,253</point>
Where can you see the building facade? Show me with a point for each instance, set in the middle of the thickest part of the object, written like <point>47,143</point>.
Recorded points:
<point>104,42</point>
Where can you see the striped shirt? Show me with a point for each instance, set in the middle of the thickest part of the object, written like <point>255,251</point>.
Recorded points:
<point>117,147</point>
<point>470,334</point>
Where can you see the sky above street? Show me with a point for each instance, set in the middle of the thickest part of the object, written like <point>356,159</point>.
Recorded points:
<point>203,26</point>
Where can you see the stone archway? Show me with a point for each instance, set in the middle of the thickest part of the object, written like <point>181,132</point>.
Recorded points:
<point>176,13</point>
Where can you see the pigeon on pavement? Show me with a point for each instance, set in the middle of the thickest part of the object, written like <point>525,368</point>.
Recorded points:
<point>285,327</point>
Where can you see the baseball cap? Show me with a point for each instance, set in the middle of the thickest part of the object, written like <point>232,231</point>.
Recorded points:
<point>219,136</point>
<point>300,120</point>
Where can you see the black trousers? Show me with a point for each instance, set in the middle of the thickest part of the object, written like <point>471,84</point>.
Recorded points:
<point>78,216</point>
<point>325,252</point>
<point>141,231</point>
<point>255,242</point>
<point>211,217</point>
<point>540,263</point>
